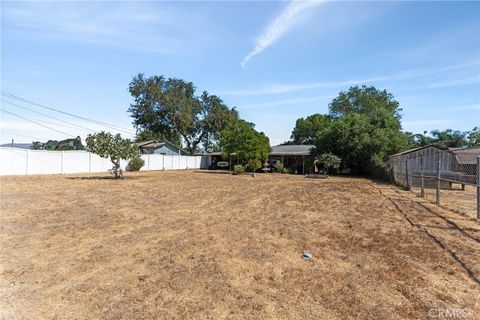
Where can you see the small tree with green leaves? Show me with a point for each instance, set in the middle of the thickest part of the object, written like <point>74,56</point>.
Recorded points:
<point>328,162</point>
<point>114,147</point>
<point>254,165</point>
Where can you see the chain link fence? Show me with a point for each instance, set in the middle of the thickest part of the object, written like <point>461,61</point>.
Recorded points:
<point>450,178</point>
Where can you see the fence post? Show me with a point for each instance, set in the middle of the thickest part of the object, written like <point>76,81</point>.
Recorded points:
<point>26,163</point>
<point>437,196</point>
<point>478,187</point>
<point>61,165</point>
<point>406,173</point>
<point>422,183</point>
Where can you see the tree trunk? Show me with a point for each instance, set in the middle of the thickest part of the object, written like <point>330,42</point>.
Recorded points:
<point>116,169</point>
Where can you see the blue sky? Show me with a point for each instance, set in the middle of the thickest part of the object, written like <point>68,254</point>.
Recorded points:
<point>276,61</point>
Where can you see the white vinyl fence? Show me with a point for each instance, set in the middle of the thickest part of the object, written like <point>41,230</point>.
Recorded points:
<point>15,161</point>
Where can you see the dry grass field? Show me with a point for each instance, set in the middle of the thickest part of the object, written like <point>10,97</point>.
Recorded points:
<point>202,245</point>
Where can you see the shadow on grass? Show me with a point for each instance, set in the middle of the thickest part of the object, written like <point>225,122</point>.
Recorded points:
<point>214,171</point>
<point>106,178</point>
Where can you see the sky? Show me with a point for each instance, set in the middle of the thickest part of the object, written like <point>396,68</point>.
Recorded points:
<point>276,61</point>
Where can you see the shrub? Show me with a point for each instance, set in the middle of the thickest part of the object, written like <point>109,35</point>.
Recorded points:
<point>136,164</point>
<point>328,162</point>
<point>279,167</point>
<point>254,164</point>
<point>285,170</point>
<point>238,169</point>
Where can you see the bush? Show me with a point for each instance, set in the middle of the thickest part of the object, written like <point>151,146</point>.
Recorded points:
<point>279,167</point>
<point>238,169</point>
<point>328,162</point>
<point>136,164</point>
<point>285,170</point>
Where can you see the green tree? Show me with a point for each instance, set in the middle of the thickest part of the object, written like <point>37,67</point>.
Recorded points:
<point>254,165</point>
<point>473,137</point>
<point>67,144</point>
<point>311,128</point>
<point>242,140</point>
<point>418,139</point>
<point>365,131</point>
<point>146,135</point>
<point>115,147</point>
<point>170,107</point>
<point>364,100</point>
<point>328,162</point>
<point>449,138</point>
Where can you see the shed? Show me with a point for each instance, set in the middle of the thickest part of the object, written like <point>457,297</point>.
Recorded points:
<point>466,160</point>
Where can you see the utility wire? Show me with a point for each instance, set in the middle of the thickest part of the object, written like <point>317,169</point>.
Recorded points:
<point>35,122</point>
<point>9,95</point>
<point>48,116</point>
<point>20,135</point>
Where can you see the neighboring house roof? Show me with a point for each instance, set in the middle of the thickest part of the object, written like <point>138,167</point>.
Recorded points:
<point>291,150</point>
<point>467,156</point>
<point>157,143</point>
<point>417,149</point>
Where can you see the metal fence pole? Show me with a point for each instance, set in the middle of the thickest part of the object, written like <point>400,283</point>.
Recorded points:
<point>437,197</point>
<point>478,187</point>
<point>422,182</point>
<point>406,173</point>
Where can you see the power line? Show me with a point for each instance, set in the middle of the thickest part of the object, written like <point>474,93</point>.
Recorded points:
<point>48,116</point>
<point>35,122</point>
<point>12,96</point>
<point>20,135</point>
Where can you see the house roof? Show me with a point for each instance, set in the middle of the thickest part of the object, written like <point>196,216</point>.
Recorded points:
<point>467,156</point>
<point>156,143</point>
<point>292,149</point>
<point>416,149</point>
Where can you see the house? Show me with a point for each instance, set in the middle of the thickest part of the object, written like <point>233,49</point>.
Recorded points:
<point>292,156</point>
<point>159,147</point>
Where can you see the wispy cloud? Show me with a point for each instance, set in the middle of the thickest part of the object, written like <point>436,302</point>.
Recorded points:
<point>402,75</point>
<point>286,20</point>
<point>471,80</point>
<point>136,26</point>
<point>293,101</point>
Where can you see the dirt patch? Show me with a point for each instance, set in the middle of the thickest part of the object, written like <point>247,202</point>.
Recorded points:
<point>190,245</point>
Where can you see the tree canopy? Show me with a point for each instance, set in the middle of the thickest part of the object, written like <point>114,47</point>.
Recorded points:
<point>242,140</point>
<point>311,128</point>
<point>364,131</point>
<point>364,100</point>
<point>171,108</point>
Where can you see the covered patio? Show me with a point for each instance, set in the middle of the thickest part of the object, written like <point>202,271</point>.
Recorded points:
<point>292,156</point>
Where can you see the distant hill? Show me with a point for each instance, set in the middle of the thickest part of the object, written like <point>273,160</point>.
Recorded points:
<point>17,145</point>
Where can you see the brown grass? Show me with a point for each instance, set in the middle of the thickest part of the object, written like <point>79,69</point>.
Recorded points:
<point>198,245</point>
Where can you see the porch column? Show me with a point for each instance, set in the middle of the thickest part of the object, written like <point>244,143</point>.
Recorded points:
<point>303,165</point>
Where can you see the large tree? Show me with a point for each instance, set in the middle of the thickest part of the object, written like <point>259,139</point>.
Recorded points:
<point>365,131</point>
<point>242,140</point>
<point>171,107</point>
<point>311,128</point>
<point>364,100</point>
